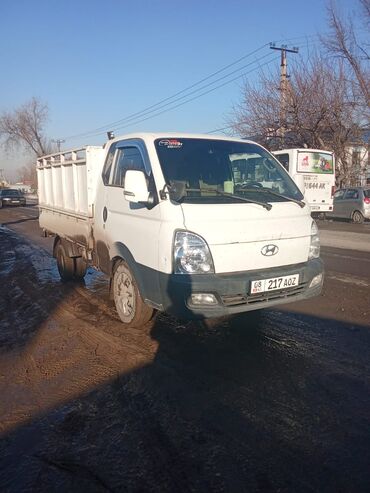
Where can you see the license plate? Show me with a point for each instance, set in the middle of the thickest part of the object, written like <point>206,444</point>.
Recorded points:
<point>315,207</point>
<point>283,282</point>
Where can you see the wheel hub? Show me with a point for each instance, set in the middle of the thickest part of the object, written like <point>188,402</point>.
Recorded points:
<point>126,294</point>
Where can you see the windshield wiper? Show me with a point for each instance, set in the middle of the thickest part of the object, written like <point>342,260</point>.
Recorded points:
<point>266,205</point>
<point>277,194</point>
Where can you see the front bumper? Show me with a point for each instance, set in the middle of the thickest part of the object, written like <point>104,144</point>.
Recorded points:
<point>232,290</point>
<point>13,202</point>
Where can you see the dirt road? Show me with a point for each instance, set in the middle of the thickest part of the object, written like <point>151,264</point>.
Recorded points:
<point>273,401</point>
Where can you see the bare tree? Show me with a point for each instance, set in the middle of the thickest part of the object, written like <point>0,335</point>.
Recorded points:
<point>321,111</point>
<point>344,41</point>
<point>24,127</point>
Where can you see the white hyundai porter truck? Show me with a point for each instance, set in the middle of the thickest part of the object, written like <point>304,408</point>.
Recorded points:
<point>194,225</point>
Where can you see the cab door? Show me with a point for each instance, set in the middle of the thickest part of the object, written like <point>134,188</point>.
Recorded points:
<point>131,228</point>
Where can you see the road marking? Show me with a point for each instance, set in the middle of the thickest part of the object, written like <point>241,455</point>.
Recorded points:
<point>349,279</point>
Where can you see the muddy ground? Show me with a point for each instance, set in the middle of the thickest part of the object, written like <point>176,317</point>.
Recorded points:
<point>274,401</point>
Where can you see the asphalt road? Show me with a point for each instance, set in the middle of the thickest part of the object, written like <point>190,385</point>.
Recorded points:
<point>343,234</point>
<point>274,401</point>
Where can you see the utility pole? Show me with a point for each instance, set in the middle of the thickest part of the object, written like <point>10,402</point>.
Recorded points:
<point>283,84</point>
<point>58,142</point>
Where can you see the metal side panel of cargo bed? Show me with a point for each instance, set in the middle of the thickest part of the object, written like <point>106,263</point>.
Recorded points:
<point>67,189</point>
<point>67,180</point>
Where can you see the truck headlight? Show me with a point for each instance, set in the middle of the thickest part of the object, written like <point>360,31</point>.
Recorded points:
<point>314,251</point>
<point>191,254</point>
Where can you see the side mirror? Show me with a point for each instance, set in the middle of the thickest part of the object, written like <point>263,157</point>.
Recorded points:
<point>136,188</point>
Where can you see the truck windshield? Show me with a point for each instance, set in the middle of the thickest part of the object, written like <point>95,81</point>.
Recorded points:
<point>197,170</point>
<point>315,162</point>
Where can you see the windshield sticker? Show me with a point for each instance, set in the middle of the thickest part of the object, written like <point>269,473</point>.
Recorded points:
<point>170,143</point>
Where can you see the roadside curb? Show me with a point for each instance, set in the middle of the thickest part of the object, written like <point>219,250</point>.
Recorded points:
<point>345,240</point>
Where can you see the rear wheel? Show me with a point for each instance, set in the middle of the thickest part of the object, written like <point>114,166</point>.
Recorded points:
<point>80,268</point>
<point>70,268</point>
<point>66,265</point>
<point>130,306</point>
<point>357,217</point>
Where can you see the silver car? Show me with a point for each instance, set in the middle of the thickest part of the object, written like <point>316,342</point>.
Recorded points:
<point>352,203</point>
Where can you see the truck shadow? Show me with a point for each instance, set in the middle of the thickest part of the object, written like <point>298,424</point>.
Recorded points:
<point>247,404</point>
<point>18,221</point>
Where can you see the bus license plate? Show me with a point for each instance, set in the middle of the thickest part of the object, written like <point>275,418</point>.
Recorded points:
<point>283,282</point>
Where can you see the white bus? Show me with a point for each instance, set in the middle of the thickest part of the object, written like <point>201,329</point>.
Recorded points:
<point>313,170</point>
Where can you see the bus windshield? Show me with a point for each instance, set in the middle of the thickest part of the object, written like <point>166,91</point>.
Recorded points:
<point>214,171</point>
<point>315,162</point>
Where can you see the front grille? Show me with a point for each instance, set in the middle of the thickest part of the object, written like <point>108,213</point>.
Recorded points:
<point>243,299</point>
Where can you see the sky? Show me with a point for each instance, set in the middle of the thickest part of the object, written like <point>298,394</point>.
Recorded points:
<point>97,62</point>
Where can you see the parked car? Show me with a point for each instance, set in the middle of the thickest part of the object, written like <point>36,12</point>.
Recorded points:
<point>352,203</point>
<point>11,196</point>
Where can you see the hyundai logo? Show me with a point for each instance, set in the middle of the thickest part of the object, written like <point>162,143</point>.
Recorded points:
<point>269,250</point>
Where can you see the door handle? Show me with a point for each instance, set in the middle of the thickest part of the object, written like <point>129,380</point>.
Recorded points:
<point>105,214</point>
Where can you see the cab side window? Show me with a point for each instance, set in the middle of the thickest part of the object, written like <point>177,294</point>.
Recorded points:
<point>284,160</point>
<point>339,194</point>
<point>108,164</point>
<point>126,158</point>
<point>351,194</point>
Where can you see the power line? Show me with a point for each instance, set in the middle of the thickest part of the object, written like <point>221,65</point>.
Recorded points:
<point>216,130</point>
<point>283,80</point>
<point>170,97</point>
<point>133,120</point>
<point>191,99</point>
<point>169,101</point>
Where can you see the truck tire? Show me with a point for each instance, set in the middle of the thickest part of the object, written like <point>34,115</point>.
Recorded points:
<point>66,264</point>
<point>80,268</point>
<point>130,306</point>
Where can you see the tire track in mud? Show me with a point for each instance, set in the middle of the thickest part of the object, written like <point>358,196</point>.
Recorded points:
<point>55,345</point>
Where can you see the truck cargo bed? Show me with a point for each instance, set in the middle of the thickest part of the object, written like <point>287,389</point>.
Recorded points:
<point>67,188</point>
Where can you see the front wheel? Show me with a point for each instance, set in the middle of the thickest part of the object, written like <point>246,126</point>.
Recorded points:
<point>357,217</point>
<point>130,306</point>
